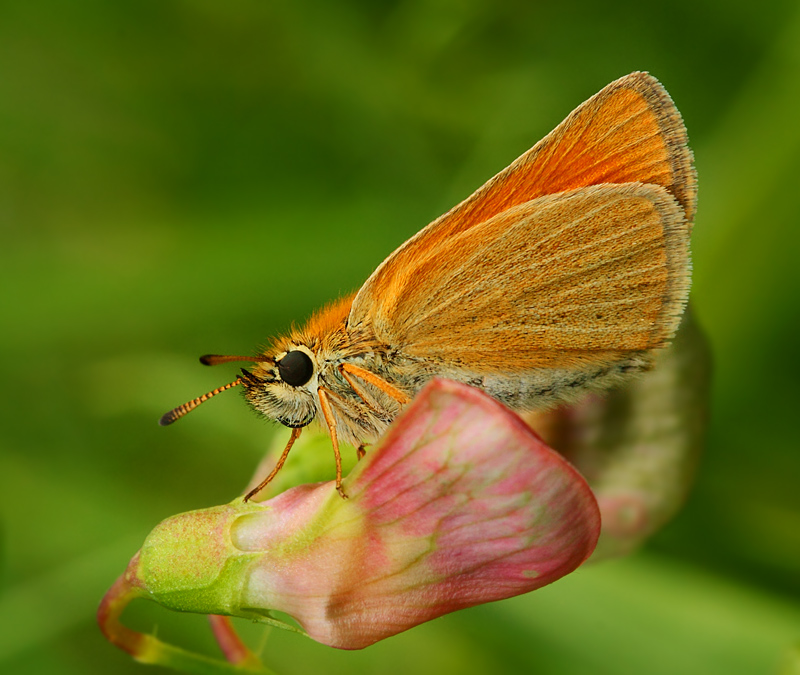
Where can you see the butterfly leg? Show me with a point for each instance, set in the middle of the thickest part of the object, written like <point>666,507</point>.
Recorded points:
<point>295,435</point>
<point>372,378</point>
<point>327,412</point>
<point>361,450</point>
<point>357,388</point>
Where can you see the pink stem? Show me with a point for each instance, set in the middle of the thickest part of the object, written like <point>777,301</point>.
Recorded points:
<point>229,641</point>
<point>111,607</point>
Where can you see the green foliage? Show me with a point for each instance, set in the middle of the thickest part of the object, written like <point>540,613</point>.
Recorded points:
<point>178,178</point>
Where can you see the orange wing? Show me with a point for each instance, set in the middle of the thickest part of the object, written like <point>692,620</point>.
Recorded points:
<point>559,281</point>
<point>629,132</point>
<point>507,268</point>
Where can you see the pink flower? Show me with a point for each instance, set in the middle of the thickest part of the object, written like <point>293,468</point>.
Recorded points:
<point>460,504</point>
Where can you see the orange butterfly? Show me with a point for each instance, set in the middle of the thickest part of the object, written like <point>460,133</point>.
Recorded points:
<point>560,275</point>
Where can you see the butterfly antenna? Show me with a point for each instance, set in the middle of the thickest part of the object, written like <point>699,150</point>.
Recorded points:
<point>181,410</point>
<point>216,359</point>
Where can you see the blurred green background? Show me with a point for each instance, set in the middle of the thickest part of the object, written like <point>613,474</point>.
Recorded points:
<point>178,178</point>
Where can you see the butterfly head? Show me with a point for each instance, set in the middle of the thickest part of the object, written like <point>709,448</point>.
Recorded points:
<point>279,387</point>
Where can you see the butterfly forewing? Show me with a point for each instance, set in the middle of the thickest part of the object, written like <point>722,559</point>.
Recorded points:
<point>628,132</point>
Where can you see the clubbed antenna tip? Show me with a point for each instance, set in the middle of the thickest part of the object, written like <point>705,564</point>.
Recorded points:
<point>216,359</point>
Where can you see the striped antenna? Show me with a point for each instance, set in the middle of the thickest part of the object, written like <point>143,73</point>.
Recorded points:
<point>181,410</point>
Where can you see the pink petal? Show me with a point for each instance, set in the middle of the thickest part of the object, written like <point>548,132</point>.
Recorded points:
<point>461,504</point>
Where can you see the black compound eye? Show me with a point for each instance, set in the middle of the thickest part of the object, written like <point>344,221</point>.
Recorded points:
<point>296,368</point>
